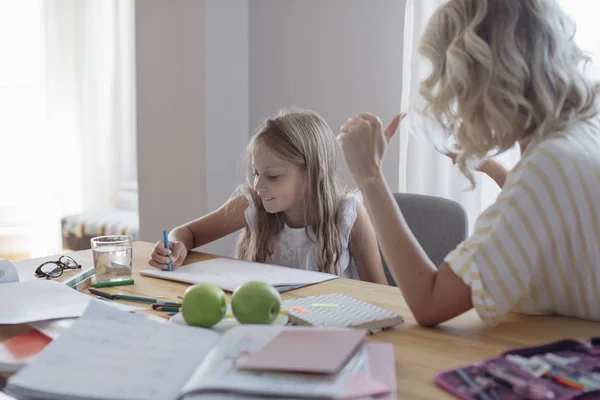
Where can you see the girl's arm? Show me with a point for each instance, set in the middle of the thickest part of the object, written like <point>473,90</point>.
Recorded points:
<point>365,249</point>
<point>227,219</point>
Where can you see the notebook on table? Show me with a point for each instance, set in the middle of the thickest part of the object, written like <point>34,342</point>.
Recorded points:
<point>111,354</point>
<point>339,310</point>
<point>26,268</point>
<point>228,274</point>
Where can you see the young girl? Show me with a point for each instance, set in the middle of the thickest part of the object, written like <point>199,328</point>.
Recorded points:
<point>294,212</point>
<point>504,72</point>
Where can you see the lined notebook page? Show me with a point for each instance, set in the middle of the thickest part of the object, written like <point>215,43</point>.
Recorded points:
<point>111,354</point>
<point>228,274</point>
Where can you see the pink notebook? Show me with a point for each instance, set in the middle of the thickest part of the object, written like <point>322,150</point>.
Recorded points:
<point>320,350</point>
<point>382,365</point>
<point>381,382</point>
<point>317,351</point>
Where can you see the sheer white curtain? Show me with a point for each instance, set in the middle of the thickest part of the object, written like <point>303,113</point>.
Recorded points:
<point>585,14</point>
<point>68,132</point>
<point>422,169</point>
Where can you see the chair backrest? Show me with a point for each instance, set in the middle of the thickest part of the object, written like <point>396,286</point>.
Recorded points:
<point>438,224</point>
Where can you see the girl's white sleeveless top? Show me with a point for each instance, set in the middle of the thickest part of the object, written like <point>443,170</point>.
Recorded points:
<point>296,250</point>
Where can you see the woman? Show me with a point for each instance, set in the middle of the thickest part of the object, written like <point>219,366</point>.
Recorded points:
<point>504,71</point>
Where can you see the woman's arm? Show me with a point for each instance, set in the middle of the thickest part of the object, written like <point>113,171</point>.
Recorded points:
<point>495,170</point>
<point>365,249</point>
<point>491,168</point>
<point>433,295</point>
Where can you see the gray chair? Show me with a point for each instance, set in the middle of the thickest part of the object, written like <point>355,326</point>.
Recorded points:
<point>438,224</point>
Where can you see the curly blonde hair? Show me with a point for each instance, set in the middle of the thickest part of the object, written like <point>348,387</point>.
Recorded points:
<point>503,71</point>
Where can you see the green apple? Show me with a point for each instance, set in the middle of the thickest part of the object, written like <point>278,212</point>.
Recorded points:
<point>255,302</point>
<point>203,305</point>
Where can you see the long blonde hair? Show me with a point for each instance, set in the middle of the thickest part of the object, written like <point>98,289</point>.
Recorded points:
<point>504,71</point>
<point>302,138</point>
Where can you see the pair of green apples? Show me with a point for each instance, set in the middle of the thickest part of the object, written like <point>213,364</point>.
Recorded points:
<point>254,302</point>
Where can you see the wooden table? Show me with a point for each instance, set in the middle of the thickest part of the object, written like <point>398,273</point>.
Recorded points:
<point>420,352</point>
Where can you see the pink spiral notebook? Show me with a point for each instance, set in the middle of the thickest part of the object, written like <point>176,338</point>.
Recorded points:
<point>326,351</point>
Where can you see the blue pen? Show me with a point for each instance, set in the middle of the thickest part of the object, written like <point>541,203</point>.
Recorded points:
<point>166,240</point>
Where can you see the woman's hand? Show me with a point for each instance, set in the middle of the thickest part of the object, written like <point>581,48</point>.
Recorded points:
<point>364,142</point>
<point>452,156</point>
<point>161,257</point>
<point>490,167</point>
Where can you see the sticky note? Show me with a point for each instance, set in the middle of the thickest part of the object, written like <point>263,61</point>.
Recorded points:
<point>322,305</point>
<point>301,310</point>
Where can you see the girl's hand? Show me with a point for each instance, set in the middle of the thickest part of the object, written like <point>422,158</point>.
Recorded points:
<point>161,257</point>
<point>364,142</point>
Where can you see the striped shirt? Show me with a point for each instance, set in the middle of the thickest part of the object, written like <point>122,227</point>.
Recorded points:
<point>537,249</point>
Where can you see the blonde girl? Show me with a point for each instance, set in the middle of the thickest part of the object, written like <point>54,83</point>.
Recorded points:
<point>504,72</point>
<point>293,211</point>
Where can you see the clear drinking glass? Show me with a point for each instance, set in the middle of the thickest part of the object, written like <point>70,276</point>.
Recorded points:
<point>112,257</point>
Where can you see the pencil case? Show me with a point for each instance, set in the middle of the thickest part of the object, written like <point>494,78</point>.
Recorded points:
<point>566,369</point>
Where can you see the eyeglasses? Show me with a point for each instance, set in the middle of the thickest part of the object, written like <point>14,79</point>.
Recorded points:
<point>54,269</point>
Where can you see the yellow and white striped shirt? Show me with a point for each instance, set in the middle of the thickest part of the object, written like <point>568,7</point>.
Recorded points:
<point>537,249</point>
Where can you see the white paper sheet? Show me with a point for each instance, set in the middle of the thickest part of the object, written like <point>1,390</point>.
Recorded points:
<point>53,327</point>
<point>39,300</point>
<point>4,396</point>
<point>109,354</point>
<point>228,274</point>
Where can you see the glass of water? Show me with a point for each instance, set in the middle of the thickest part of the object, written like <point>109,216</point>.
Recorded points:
<point>112,257</point>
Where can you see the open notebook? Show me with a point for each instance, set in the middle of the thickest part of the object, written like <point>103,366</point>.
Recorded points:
<point>228,274</point>
<point>110,354</point>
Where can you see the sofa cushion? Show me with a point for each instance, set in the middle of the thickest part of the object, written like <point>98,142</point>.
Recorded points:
<point>77,230</point>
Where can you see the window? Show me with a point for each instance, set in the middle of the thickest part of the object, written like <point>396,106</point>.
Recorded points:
<point>67,125</point>
<point>585,14</point>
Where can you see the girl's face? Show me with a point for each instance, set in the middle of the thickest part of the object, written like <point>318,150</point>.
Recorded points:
<point>280,185</point>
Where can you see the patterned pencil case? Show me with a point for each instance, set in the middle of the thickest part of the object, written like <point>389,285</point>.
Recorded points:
<point>566,369</point>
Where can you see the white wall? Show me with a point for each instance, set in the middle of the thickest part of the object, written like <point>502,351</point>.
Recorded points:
<point>226,101</point>
<point>192,110</point>
<point>337,57</point>
<point>209,71</point>
<point>170,113</point>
